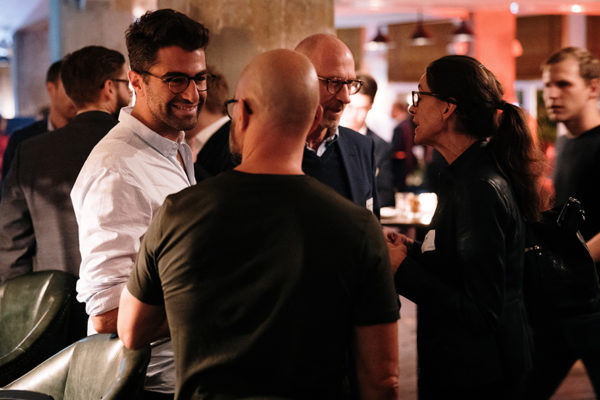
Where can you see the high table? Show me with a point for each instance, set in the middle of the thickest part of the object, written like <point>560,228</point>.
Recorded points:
<point>412,212</point>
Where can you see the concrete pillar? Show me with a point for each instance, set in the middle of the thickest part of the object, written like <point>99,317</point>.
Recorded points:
<point>241,29</point>
<point>495,33</point>
<point>574,30</point>
<point>94,22</point>
<point>54,30</point>
<point>31,59</point>
<point>71,26</point>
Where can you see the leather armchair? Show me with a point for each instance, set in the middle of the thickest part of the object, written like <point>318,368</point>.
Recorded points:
<point>97,367</point>
<point>39,316</point>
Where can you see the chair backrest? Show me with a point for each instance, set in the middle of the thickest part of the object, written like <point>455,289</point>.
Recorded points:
<point>97,367</point>
<point>35,310</point>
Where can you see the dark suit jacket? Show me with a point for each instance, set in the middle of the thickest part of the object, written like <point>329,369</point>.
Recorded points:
<point>385,175</point>
<point>215,156</point>
<point>404,160</point>
<point>19,136</point>
<point>358,158</point>
<point>38,230</point>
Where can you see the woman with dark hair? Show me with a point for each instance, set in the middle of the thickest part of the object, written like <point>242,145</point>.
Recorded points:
<point>467,275</point>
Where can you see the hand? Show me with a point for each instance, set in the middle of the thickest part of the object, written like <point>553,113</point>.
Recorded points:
<point>392,236</point>
<point>397,252</point>
<point>397,247</point>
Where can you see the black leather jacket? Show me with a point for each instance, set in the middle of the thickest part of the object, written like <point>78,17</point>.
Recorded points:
<point>467,279</point>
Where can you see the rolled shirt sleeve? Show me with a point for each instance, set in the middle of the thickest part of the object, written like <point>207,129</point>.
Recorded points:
<point>113,214</point>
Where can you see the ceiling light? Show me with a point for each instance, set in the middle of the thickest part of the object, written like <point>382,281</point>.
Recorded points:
<point>381,41</point>
<point>420,37</point>
<point>514,7</point>
<point>576,8</point>
<point>463,33</point>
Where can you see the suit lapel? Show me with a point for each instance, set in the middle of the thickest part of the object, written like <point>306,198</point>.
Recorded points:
<point>348,154</point>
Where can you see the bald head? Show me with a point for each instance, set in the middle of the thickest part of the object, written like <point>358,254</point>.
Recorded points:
<point>282,86</point>
<point>321,43</point>
<point>333,60</point>
<point>325,51</point>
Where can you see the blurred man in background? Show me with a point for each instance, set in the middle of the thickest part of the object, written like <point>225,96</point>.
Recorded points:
<point>61,111</point>
<point>355,117</point>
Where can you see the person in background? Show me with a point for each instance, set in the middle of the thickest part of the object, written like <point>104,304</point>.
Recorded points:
<point>210,138</point>
<point>136,165</point>
<point>38,230</point>
<point>3,141</point>
<point>309,281</point>
<point>338,156</point>
<point>467,276</point>
<point>571,85</point>
<point>404,160</point>
<point>355,117</point>
<point>61,111</point>
<point>571,79</point>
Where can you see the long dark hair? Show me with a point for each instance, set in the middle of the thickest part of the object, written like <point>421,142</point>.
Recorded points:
<point>478,95</point>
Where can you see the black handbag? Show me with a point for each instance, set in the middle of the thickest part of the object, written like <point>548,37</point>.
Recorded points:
<point>560,277</point>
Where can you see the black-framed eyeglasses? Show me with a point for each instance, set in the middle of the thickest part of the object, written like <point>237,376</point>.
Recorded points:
<point>229,107</point>
<point>334,85</point>
<point>125,81</point>
<point>416,97</point>
<point>178,83</point>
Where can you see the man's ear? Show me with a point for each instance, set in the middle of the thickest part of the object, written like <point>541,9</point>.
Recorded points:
<point>317,120</point>
<point>108,93</point>
<point>594,85</point>
<point>51,88</point>
<point>136,81</point>
<point>246,112</point>
<point>109,87</point>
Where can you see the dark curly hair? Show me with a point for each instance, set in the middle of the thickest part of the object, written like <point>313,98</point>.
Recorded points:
<point>162,28</point>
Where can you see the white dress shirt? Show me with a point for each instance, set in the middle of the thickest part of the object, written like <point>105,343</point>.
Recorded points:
<point>325,143</point>
<point>123,182</point>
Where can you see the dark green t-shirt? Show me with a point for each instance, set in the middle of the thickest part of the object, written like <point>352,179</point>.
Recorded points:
<point>263,278</point>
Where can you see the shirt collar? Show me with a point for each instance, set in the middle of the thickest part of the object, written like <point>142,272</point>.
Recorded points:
<point>206,133</point>
<point>164,146</point>
<point>328,140</point>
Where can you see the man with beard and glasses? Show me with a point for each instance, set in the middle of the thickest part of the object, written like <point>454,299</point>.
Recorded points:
<point>38,230</point>
<point>141,161</point>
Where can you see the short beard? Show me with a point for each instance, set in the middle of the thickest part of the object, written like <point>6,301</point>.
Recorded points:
<point>236,159</point>
<point>183,125</point>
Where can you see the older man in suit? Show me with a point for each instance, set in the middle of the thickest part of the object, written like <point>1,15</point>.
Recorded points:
<point>38,229</point>
<point>338,156</point>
